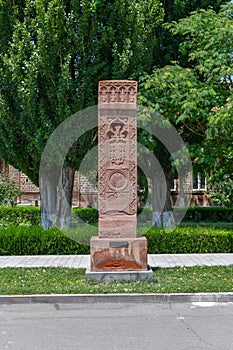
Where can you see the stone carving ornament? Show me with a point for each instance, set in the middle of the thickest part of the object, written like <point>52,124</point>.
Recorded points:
<point>117,147</point>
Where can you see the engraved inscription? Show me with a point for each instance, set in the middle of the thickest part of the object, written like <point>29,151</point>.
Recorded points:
<point>115,244</point>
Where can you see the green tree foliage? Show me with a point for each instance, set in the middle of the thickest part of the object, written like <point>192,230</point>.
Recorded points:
<point>197,99</point>
<point>167,48</point>
<point>221,191</point>
<point>52,55</point>
<point>220,151</point>
<point>8,191</point>
<point>208,45</point>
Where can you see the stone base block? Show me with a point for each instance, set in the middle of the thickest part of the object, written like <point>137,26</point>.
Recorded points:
<point>117,226</point>
<point>118,254</point>
<point>111,276</point>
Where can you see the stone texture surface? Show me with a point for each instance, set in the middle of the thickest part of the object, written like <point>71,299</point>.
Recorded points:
<point>110,276</point>
<point>117,158</point>
<point>118,254</point>
<point>117,247</point>
<point>117,226</point>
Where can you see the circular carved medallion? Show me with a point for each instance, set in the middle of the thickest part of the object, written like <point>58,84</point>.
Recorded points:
<point>118,180</point>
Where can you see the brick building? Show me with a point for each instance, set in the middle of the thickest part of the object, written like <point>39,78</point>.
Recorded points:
<point>86,195</point>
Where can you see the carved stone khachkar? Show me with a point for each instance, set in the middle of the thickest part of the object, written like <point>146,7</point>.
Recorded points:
<point>117,247</point>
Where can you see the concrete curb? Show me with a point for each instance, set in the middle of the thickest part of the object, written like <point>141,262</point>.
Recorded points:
<point>117,298</point>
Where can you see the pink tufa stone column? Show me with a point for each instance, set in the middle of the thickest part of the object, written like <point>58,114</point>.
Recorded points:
<point>117,246</point>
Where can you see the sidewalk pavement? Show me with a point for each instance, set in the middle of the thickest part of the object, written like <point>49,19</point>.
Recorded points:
<point>83,261</point>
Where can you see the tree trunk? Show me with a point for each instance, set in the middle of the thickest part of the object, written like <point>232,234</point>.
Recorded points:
<point>161,200</point>
<point>56,199</point>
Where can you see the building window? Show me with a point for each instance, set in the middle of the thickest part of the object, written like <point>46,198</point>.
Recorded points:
<point>174,185</point>
<point>199,182</point>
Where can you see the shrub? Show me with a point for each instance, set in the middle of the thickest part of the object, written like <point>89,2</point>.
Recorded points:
<point>221,190</point>
<point>8,191</point>
<point>19,216</point>
<point>88,215</point>
<point>35,240</point>
<point>197,214</point>
<point>30,215</point>
<point>189,240</point>
<point>211,214</point>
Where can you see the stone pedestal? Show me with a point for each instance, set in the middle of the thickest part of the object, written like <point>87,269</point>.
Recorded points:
<point>117,248</point>
<point>118,254</point>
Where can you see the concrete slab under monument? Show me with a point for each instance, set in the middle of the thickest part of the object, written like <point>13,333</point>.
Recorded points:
<point>111,276</point>
<point>117,253</point>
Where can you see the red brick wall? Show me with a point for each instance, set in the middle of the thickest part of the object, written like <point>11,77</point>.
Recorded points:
<point>84,193</point>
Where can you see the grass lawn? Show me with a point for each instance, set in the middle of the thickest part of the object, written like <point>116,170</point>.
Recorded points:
<point>65,281</point>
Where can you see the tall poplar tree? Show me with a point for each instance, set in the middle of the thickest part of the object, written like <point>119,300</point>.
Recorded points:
<point>52,55</point>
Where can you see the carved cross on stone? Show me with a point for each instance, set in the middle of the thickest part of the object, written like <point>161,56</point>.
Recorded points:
<point>117,247</point>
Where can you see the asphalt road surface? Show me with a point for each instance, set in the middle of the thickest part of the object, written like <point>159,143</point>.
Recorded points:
<point>117,326</point>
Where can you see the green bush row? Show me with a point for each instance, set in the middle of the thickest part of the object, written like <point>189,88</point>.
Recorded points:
<point>192,214</point>
<point>189,240</point>
<point>211,214</point>
<point>197,214</point>
<point>36,241</point>
<point>30,215</point>
<point>88,215</point>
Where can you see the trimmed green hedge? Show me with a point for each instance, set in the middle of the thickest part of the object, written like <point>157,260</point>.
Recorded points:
<point>194,214</point>
<point>20,233</point>
<point>190,240</point>
<point>30,215</point>
<point>36,241</point>
<point>88,215</point>
<point>198,214</point>
<point>211,214</point>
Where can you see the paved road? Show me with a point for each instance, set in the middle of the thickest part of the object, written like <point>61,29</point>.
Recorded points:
<point>166,326</point>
